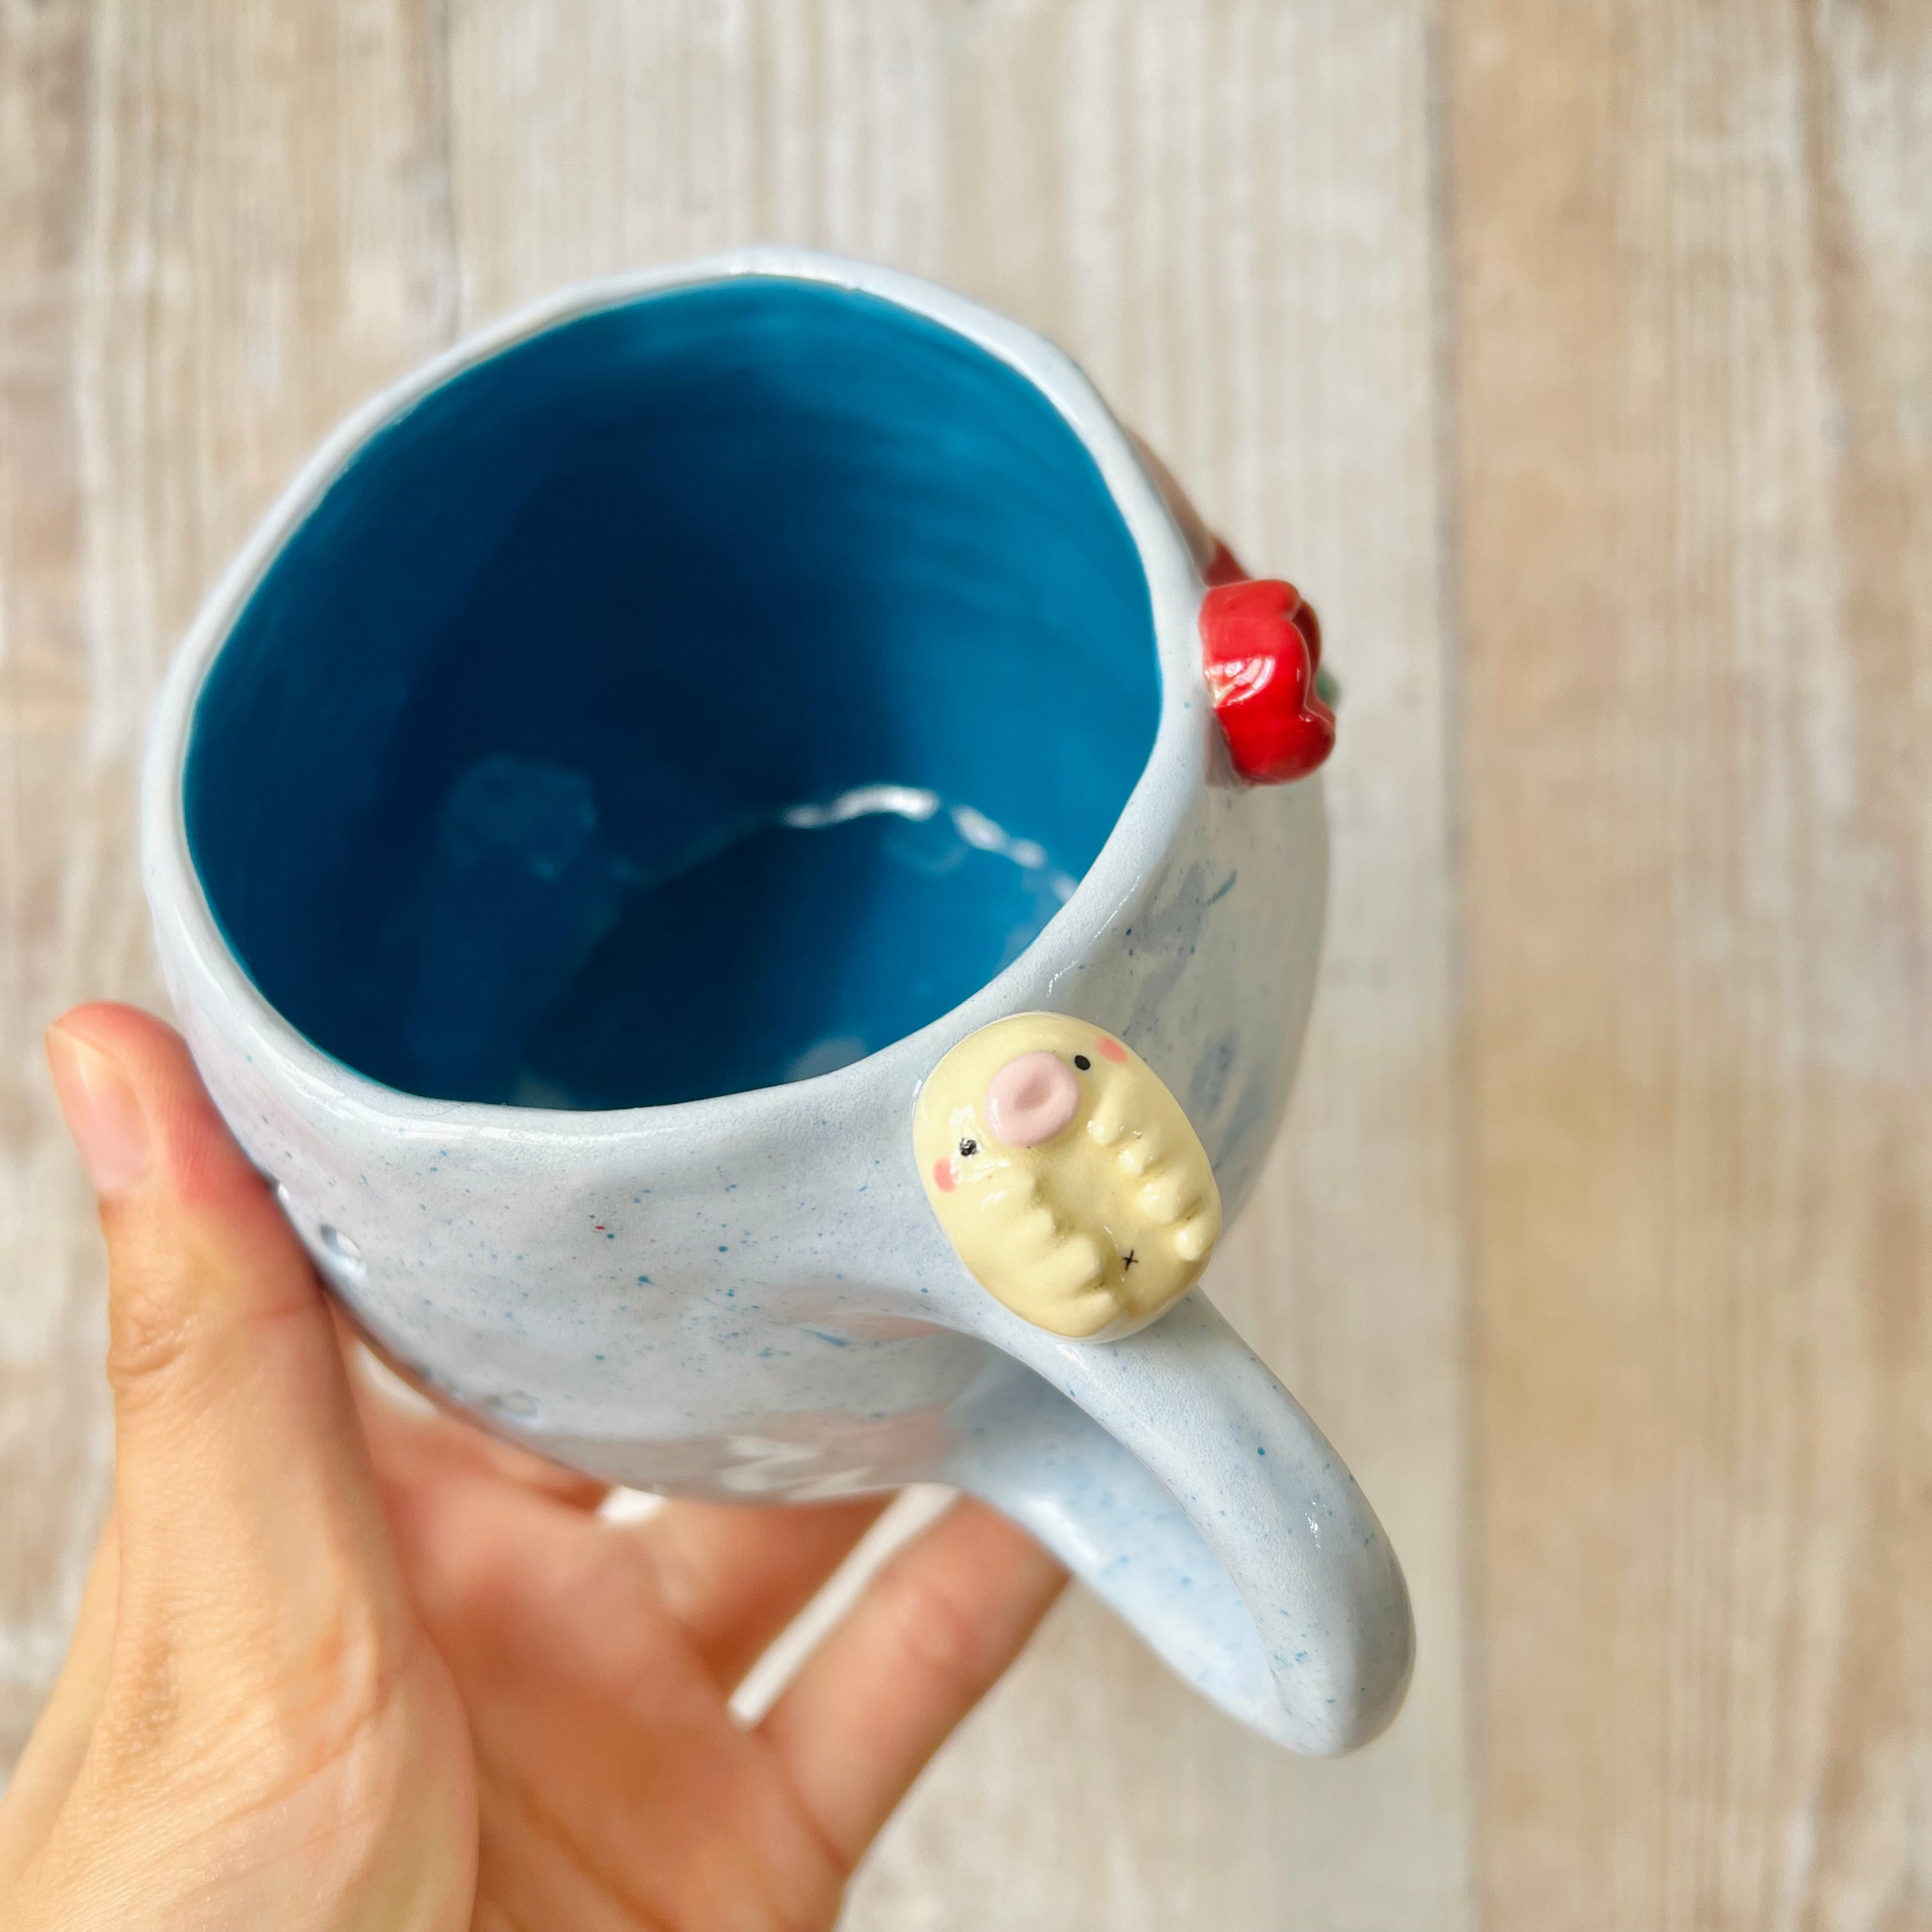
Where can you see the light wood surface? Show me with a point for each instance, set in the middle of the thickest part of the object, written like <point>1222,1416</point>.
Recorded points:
<point>1579,359</point>
<point>1694,410</point>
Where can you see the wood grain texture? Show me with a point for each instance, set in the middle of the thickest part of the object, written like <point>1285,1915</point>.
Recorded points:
<point>1694,262</point>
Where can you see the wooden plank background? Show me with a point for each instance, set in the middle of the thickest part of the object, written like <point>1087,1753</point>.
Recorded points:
<point>1578,356</point>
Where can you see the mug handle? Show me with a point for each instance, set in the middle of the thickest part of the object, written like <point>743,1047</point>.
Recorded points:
<point>1178,1479</point>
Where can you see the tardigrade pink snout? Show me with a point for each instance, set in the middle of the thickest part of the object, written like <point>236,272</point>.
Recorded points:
<point>1030,1099</point>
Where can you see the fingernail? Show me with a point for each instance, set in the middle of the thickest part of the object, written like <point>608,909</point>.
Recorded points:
<point>102,1115</point>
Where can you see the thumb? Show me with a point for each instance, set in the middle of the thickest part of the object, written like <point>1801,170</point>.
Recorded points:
<point>241,1479</point>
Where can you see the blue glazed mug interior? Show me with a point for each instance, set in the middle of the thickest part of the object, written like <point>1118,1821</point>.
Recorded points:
<point>698,694</point>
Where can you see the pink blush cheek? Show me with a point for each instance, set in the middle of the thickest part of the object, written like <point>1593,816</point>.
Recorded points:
<point>1111,1049</point>
<point>942,1176</point>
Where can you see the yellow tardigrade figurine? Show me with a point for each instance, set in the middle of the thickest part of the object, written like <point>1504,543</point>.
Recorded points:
<point>1066,1175</point>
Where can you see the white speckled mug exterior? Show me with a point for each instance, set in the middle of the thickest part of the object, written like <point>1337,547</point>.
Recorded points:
<point>748,1297</point>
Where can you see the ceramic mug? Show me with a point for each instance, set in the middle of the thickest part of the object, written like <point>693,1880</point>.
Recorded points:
<point>636,750</point>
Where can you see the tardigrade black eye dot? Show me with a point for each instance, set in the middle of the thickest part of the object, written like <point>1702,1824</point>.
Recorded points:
<point>968,1148</point>
<point>1085,1065</point>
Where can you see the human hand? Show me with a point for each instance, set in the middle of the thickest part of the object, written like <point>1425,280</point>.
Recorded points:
<point>342,1666</point>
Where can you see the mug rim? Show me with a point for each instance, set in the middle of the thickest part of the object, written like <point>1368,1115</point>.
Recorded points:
<point>188,932</point>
